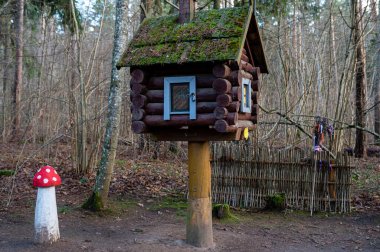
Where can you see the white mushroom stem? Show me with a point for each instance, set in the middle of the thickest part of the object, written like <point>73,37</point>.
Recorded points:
<point>46,217</point>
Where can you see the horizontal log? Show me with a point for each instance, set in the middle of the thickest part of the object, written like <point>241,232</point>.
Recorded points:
<point>222,126</point>
<point>221,86</point>
<point>236,77</point>
<point>220,112</point>
<point>137,114</point>
<point>233,106</point>
<point>138,127</point>
<point>139,76</point>
<point>223,100</point>
<point>246,66</point>
<point>158,108</point>
<point>244,57</point>
<point>245,124</point>
<point>255,85</point>
<point>244,116</point>
<point>232,118</point>
<point>221,71</point>
<point>236,94</point>
<point>256,73</point>
<point>139,101</point>
<point>255,97</point>
<point>197,134</point>
<point>203,95</point>
<point>138,88</point>
<point>202,81</point>
<point>179,120</point>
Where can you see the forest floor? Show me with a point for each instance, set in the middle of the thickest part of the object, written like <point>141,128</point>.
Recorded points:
<point>148,209</point>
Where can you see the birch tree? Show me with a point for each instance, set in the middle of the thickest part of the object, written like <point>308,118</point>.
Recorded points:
<point>98,198</point>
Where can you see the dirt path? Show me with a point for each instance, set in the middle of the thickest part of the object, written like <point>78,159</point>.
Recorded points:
<point>135,228</point>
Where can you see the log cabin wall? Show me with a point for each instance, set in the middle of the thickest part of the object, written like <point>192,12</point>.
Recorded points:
<point>218,96</point>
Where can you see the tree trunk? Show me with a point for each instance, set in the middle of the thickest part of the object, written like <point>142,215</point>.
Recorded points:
<point>82,111</point>
<point>16,90</point>
<point>6,74</point>
<point>360,78</point>
<point>377,84</point>
<point>98,199</point>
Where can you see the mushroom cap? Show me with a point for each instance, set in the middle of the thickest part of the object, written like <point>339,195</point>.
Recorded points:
<point>46,176</point>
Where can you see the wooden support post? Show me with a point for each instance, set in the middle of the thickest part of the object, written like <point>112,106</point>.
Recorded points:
<point>199,220</point>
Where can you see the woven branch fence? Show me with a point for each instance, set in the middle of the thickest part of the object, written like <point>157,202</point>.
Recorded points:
<point>244,176</point>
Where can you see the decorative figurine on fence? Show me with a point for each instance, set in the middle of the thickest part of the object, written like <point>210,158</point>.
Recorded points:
<point>321,128</point>
<point>46,217</point>
<point>195,77</point>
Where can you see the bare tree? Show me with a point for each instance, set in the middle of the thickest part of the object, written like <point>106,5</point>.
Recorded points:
<point>360,78</point>
<point>377,83</point>
<point>17,86</point>
<point>99,196</point>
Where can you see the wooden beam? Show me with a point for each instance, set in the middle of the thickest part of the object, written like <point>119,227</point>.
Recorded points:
<point>199,220</point>
<point>198,134</point>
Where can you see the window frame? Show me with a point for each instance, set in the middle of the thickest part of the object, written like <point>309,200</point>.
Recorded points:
<point>168,81</point>
<point>246,97</point>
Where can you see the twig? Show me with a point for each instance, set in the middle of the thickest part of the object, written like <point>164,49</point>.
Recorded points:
<point>4,6</point>
<point>172,4</point>
<point>299,127</point>
<point>205,5</point>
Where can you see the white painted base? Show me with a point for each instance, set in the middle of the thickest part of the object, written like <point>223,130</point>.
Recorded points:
<point>46,218</point>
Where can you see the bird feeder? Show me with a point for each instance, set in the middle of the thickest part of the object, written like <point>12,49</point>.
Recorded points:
<point>46,218</point>
<point>195,77</point>
<point>196,81</point>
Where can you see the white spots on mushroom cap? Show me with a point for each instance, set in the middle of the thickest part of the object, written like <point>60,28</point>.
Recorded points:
<point>47,170</point>
<point>39,177</point>
<point>54,179</point>
<point>39,170</point>
<point>46,180</point>
<point>55,172</point>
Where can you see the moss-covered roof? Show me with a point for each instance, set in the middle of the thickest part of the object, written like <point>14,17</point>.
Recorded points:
<point>214,35</point>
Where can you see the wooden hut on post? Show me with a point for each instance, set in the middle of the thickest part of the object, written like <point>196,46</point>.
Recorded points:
<point>195,77</point>
<point>197,80</point>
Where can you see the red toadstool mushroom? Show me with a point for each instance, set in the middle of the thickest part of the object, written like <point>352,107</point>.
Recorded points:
<point>46,217</point>
<point>46,176</point>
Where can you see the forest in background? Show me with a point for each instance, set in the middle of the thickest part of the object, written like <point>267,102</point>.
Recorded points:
<point>55,74</point>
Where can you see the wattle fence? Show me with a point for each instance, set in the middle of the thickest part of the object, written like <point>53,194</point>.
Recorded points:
<point>244,176</point>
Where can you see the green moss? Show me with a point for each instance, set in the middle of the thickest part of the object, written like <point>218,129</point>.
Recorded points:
<point>213,35</point>
<point>6,173</point>
<point>178,204</point>
<point>223,211</point>
<point>94,203</point>
<point>275,202</point>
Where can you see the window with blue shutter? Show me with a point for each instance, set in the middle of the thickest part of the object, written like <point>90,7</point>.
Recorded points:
<point>180,96</point>
<point>245,106</point>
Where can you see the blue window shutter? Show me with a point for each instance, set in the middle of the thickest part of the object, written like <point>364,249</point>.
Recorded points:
<point>193,98</point>
<point>167,97</point>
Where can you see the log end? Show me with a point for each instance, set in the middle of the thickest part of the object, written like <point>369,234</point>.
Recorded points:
<point>139,127</point>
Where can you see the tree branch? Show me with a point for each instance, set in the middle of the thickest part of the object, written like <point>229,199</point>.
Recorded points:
<point>172,4</point>
<point>299,127</point>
